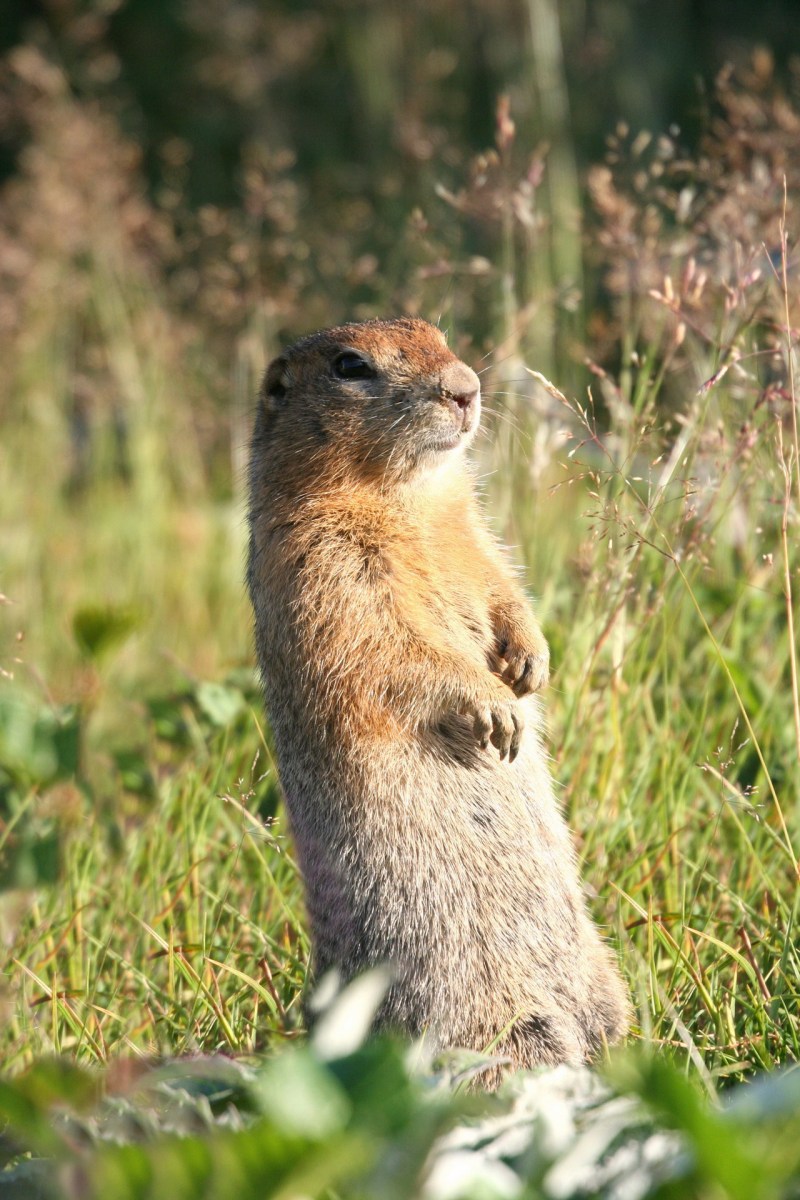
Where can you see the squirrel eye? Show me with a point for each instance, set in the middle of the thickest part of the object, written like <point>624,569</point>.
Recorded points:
<point>349,365</point>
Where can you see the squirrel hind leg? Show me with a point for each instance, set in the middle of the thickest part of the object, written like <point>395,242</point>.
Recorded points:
<point>539,1040</point>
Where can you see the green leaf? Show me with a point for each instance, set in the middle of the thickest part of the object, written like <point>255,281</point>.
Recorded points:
<point>723,1154</point>
<point>220,704</point>
<point>25,1122</point>
<point>53,1081</point>
<point>30,859</point>
<point>31,1179</point>
<point>251,1164</point>
<point>135,772</point>
<point>99,629</point>
<point>300,1096</point>
<point>168,717</point>
<point>38,744</point>
<point>377,1083</point>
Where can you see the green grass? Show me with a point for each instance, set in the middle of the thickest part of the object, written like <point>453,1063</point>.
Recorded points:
<point>174,920</point>
<point>150,907</point>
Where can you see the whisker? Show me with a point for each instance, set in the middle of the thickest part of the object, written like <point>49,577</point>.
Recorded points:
<point>497,362</point>
<point>509,419</point>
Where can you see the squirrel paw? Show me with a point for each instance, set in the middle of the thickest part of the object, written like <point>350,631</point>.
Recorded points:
<point>500,723</point>
<point>527,669</point>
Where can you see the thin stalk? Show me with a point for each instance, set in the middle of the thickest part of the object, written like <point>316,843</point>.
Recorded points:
<point>786,467</point>
<point>789,347</point>
<point>790,466</point>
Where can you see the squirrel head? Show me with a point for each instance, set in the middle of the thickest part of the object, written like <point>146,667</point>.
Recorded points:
<point>377,400</point>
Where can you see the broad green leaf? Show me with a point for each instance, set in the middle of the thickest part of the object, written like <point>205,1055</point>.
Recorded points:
<point>99,629</point>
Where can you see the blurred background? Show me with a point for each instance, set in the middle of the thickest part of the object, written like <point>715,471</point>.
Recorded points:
<point>601,191</point>
<point>274,167</point>
<point>269,168</point>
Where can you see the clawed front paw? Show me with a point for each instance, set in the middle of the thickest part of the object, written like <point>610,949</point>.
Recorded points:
<point>498,722</point>
<point>527,668</point>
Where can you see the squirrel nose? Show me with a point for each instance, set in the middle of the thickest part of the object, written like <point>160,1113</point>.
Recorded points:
<point>461,388</point>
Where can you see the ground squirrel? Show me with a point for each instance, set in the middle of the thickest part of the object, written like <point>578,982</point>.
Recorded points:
<point>400,659</point>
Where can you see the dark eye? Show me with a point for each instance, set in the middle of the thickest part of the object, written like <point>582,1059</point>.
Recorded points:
<point>349,365</point>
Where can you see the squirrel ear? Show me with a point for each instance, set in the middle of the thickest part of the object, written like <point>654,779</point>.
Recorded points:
<point>275,387</point>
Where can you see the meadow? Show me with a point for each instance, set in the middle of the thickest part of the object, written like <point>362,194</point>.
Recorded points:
<point>640,452</point>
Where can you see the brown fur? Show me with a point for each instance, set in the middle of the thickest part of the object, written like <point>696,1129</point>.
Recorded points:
<point>395,645</point>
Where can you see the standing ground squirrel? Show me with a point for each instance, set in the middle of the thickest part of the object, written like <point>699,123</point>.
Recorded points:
<point>399,658</point>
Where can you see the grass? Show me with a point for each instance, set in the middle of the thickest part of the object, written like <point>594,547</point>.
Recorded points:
<point>150,906</point>
<point>174,921</point>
